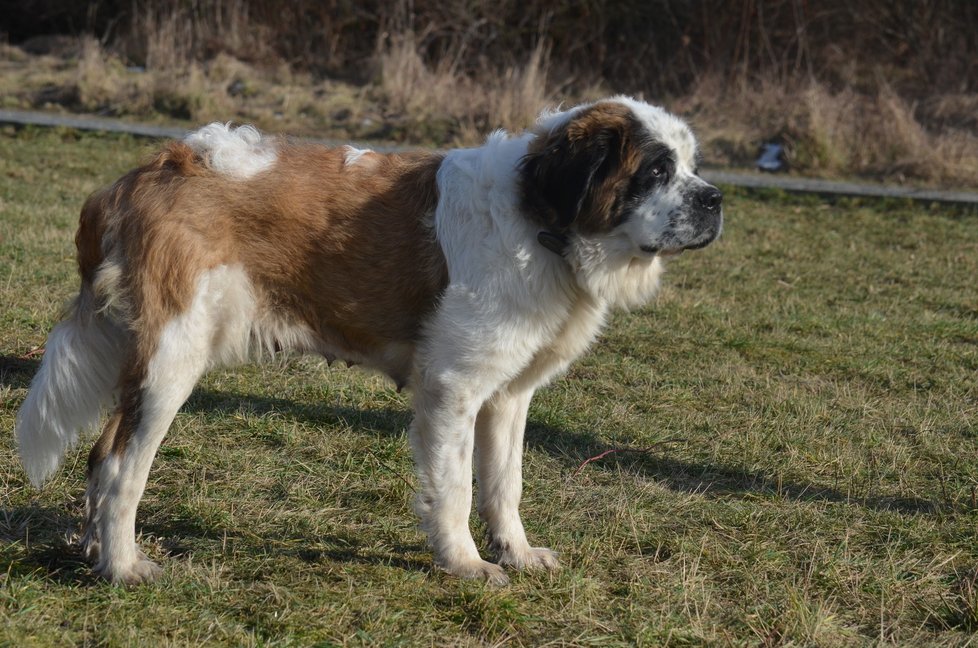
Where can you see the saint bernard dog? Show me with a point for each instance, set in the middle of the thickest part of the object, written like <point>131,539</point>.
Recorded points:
<point>471,277</point>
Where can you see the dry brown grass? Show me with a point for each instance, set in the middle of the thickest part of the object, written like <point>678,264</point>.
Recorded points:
<point>424,98</point>
<point>877,135</point>
<point>82,75</point>
<point>102,82</point>
<point>174,86</point>
<point>166,36</point>
<point>445,76</point>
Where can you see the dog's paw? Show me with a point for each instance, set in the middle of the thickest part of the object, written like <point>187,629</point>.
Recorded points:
<point>492,573</point>
<point>142,570</point>
<point>529,558</point>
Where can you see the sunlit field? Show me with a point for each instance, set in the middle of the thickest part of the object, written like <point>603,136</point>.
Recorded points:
<point>781,449</point>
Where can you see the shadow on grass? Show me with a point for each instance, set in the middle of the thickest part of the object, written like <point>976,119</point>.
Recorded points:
<point>43,531</point>
<point>382,422</point>
<point>181,536</point>
<point>17,371</point>
<point>37,539</point>
<point>356,554</point>
<point>572,449</point>
<point>708,480</point>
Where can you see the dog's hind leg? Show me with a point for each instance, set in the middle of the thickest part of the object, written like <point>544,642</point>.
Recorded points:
<point>152,391</point>
<point>499,463</point>
<point>100,451</point>
<point>150,403</point>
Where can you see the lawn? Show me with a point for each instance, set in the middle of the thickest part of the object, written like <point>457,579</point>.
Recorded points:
<point>789,439</point>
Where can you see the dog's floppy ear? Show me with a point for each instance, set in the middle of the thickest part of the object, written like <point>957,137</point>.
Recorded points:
<point>566,173</point>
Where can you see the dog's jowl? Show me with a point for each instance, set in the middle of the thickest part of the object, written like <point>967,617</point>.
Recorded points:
<point>470,277</point>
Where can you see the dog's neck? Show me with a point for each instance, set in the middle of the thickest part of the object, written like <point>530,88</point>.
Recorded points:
<point>612,276</point>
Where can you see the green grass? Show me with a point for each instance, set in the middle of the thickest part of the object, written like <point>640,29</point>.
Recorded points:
<point>806,391</point>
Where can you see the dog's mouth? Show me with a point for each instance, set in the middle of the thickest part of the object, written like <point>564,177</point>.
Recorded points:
<point>674,249</point>
<point>654,250</point>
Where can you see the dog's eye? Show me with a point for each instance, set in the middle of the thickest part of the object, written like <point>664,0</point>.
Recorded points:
<point>660,172</point>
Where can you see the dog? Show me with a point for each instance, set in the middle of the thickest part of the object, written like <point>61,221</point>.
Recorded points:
<point>471,277</point>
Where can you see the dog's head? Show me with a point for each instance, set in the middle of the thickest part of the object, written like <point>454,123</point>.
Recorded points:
<point>621,170</point>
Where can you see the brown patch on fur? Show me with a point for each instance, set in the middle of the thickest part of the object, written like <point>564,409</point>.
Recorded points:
<point>130,401</point>
<point>104,444</point>
<point>576,175</point>
<point>346,251</point>
<point>178,158</point>
<point>124,421</point>
<point>88,239</point>
<point>361,266</point>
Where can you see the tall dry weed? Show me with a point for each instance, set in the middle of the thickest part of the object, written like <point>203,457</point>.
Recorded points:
<point>174,86</point>
<point>488,98</point>
<point>169,39</point>
<point>102,84</point>
<point>190,94</point>
<point>518,94</point>
<point>98,80</point>
<point>170,35</point>
<point>407,83</point>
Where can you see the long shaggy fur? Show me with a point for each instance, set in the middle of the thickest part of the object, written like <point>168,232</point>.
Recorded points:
<point>74,385</point>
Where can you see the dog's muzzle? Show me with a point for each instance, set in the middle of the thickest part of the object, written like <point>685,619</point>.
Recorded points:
<point>708,209</point>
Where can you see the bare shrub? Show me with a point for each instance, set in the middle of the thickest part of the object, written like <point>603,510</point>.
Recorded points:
<point>489,98</point>
<point>516,96</point>
<point>168,39</point>
<point>101,81</point>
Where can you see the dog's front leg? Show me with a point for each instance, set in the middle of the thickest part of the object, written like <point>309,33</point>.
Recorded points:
<point>499,467</point>
<point>442,436</point>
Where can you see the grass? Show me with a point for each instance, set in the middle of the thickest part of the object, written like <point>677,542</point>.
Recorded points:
<point>793,421</point>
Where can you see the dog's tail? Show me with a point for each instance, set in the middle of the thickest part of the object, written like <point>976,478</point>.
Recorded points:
<point>79,370</point>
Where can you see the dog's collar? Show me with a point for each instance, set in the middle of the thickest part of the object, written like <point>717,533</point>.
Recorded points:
<point>556,243</point>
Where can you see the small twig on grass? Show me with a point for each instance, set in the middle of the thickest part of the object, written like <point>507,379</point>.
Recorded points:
<point>396,473</point>
<point>33,353</point>
<point>604,454</point>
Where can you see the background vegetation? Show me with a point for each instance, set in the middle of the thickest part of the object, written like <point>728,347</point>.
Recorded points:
<point>878,88</point>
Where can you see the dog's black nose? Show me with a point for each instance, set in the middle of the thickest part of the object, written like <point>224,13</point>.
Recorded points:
<point>710,198</point>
